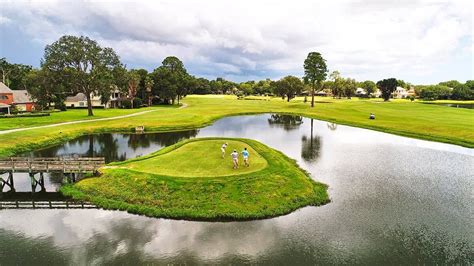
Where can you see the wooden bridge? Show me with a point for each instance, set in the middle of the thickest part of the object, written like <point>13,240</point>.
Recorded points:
<point>52,164</point>
<point>69,166</point>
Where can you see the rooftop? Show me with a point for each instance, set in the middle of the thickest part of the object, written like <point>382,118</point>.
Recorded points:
<point>21,96</point>
<point>4,88</point>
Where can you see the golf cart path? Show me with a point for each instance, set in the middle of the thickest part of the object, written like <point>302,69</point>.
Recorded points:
<point>76,122</point>
<point>2,132</point>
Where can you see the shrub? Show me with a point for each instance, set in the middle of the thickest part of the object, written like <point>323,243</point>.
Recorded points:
<point>435,92</point>
<point>463,92</point>
<point>126,104</point>
<point>137,102</point>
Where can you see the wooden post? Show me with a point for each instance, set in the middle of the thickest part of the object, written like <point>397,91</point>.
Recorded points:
<point>33,182</point>
<point>10,179</point>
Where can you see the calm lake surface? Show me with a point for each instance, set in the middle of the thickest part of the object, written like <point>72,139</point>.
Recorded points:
<point>455,105</point>
<point>395,200</point>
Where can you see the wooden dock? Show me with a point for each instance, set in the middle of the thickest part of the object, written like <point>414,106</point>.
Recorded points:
<point>52,164</point>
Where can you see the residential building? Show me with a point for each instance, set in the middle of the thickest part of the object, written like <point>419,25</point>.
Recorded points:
<point>22,101</point>
<point>80,101</point>
<point>400,93</point>
<point>19,99</point>
<point>360,92</point>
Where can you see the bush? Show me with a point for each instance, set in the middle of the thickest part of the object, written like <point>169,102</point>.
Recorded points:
<point>435,92</point>
<point>24,115</point>
<point>126,104</point>
<point>137,102</point>
<point>463,92</point>
<point>60,105</point>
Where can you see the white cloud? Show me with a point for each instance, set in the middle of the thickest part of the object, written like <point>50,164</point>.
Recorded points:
<point>4,20</point>
<point>239,39</point>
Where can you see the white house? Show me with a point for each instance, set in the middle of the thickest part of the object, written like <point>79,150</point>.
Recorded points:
<point>400,93</point>
<point>377,93</point>
<point>360,92</point>
<point>80,100</point>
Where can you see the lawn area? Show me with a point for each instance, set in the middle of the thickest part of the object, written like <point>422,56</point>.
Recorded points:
<point>402,117</point>
<point>66,116</point>
<point>273,185</point>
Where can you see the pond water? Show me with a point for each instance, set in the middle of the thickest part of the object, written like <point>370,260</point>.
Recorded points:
<point>456,105</point>
<point>394,200</point>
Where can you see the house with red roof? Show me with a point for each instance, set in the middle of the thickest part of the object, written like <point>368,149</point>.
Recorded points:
<point>19,99</point>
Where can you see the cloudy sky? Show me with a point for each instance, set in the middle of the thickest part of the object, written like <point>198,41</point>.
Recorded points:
<point>419,41</point>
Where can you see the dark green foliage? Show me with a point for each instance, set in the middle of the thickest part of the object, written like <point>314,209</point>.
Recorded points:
<point>369,86</point>
<point>315,71</point>
<point>171,80</point>
<point>450,83</point>
<point>435,92</point>
<point>80,64</point>
<point>289,86</point>
<point>463,91</point>
<point>14,76</point>
<point>126,104</point>
<point>387,86</point>
<point>137,102</point>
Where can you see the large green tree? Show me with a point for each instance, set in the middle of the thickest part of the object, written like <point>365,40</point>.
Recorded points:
<point>369,86</point>
<point>133,84</point>
<point>387,86</point>
<point>14,75</point>
<point>42,86</point>
<point>337,88</point>
<point>84,66</point>
<point>170,79</point>
<point>463,91</point>
<point>149,88</point>
<point>291,86</point>
<point>350,86</point>
<point>315,71</point>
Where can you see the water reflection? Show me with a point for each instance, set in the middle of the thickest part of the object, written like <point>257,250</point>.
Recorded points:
<point>115,147</point>
<point>287,122</point>
<point>332,126</point>
<point>310,146</point>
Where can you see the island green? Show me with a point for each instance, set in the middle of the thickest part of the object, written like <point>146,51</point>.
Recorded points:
<point>175,183</point>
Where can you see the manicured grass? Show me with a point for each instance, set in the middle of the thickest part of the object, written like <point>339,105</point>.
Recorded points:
<point>69,115</point>
<point>402,117</point>
<point>199,159</point>
<point>280,187</point>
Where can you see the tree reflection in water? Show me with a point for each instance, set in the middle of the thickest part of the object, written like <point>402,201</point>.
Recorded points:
<point>310,147</point>
<point>332,126</point>
<point>113,146</point>
<point>288,122</point>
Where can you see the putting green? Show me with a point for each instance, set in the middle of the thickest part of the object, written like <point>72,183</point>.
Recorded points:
<point>190,180</point>
<point>199,159</point>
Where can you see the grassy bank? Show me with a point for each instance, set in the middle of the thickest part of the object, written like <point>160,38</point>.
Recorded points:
<point>203,187</point>
<point>401,117</point>
<point>65,116</point>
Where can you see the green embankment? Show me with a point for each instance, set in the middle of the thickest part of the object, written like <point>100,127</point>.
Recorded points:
<point>272,185</point>
<point>401,117</point>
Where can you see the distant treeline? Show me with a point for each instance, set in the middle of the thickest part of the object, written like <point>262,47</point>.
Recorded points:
<point>78,64</point>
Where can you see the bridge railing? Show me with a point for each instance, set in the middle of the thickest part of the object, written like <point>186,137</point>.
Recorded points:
<point>47,164</point>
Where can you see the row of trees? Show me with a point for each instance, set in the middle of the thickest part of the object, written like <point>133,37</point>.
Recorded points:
<point>74,65</point>
<point>452,89</point>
